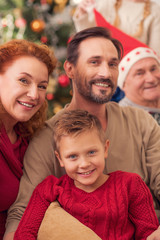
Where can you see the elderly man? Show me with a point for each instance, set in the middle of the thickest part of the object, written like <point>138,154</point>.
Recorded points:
<point>139,78</point>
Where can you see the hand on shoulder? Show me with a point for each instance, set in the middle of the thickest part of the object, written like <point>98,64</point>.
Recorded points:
<point>9,236</point>
<point>155,235</point>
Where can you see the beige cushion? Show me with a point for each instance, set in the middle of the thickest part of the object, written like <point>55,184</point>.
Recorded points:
<point>58,224</point>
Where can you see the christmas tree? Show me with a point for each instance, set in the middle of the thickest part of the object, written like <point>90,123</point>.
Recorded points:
<point>42,21</point>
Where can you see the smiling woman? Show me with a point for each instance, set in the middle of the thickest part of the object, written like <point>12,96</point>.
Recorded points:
<point>24,73</point>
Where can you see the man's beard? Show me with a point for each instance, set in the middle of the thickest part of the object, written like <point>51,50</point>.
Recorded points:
<point>85,90</point>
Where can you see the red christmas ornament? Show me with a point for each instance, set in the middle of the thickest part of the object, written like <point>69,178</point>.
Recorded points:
<point>43,2</point>
<point>44,39</point>
<point>63,80</point>
<point>50,96</point>
<point>20,22</point>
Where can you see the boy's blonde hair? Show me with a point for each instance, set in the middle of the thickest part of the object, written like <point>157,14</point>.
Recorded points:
<point>75,122</point>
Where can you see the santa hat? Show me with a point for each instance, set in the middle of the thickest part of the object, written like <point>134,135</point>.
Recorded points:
<point>130,59</point>
<point>129,43</point>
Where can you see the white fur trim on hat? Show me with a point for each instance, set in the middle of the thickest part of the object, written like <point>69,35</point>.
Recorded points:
<point>132,57</point>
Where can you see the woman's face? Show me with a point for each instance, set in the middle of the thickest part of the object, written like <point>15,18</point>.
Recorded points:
<point>22,88</point>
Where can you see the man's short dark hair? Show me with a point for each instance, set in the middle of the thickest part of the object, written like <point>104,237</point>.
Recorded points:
<point>73,45</point>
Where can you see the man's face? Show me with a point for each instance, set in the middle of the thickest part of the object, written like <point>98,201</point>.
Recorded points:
<point>142,84</point>
<point>96,71</point>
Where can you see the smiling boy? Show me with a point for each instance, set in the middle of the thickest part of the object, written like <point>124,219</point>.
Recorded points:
<point>114,206</point>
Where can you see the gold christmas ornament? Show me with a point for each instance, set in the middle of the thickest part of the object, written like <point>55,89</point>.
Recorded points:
<point>49,1</point>
<point>60,2</point>
<point>57,107</point>
<point>60,5</point>
<point>37,25</point>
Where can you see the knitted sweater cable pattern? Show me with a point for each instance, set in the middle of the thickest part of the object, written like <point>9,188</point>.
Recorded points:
<point>122,208</point>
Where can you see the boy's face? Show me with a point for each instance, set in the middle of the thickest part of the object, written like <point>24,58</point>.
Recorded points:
<point>83,157</point>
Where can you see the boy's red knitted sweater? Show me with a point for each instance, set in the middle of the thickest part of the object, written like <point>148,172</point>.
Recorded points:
<point>122,208</point>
